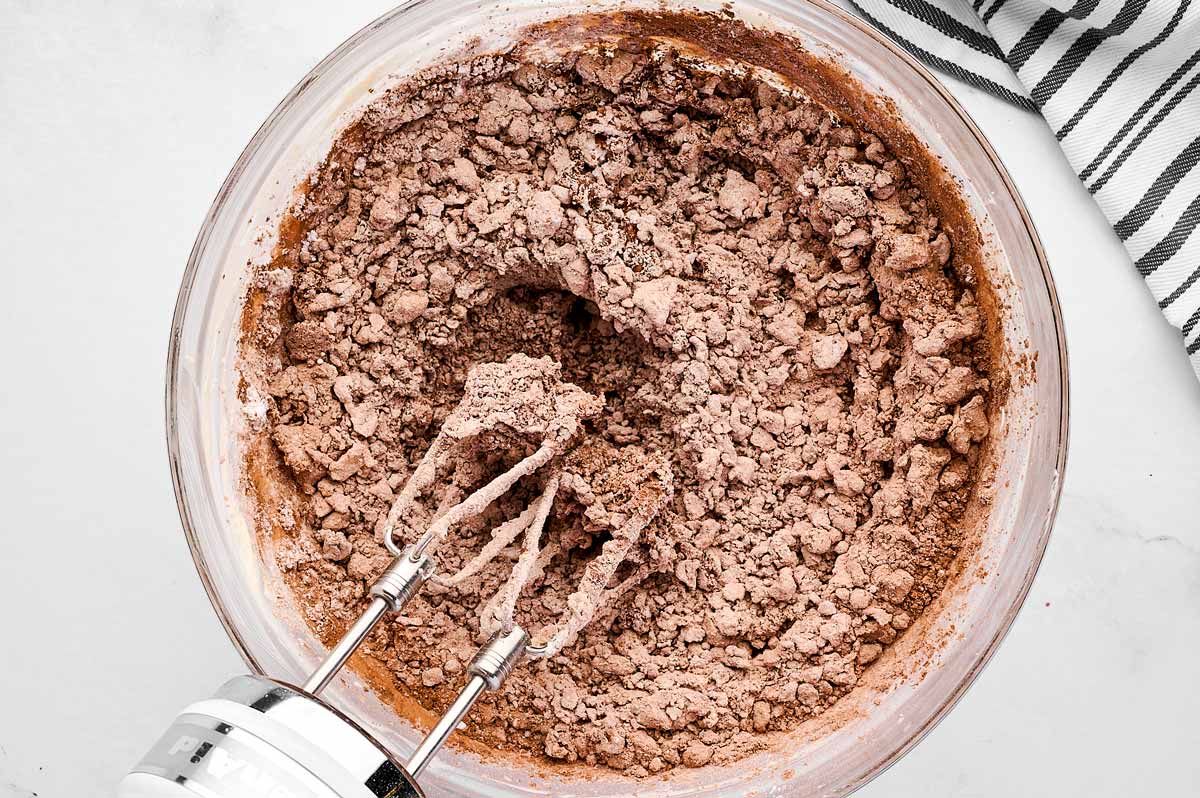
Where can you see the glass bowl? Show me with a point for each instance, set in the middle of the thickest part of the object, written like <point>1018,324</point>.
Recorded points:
<point>919,679</point>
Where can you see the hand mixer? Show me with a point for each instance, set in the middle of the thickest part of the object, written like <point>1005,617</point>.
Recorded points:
<point>261,738</point>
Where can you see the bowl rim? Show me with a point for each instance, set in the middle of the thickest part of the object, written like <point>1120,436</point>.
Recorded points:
<point>183,497</point>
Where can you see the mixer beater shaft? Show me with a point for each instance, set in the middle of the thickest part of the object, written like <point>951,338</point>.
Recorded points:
<point>488,670</point>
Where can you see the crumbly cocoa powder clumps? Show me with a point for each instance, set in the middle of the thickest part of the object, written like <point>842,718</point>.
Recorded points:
<point>769,310</point>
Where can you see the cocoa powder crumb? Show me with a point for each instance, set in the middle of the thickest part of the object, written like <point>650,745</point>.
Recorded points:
<point>769,312</point>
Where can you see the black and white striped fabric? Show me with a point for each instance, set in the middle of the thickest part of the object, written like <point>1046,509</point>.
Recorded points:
<point>1119,83</point>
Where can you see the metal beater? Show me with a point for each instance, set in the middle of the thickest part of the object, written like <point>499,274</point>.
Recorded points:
<point>262,738</point>
<point>266,739</point>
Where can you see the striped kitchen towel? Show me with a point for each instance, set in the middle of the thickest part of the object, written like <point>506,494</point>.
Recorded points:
<point>1117,80</point>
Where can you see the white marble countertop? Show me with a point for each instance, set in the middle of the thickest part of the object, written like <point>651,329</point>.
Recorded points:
<point>120,121</point>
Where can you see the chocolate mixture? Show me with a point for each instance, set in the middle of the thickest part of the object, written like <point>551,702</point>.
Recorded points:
<point>764,303</point>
